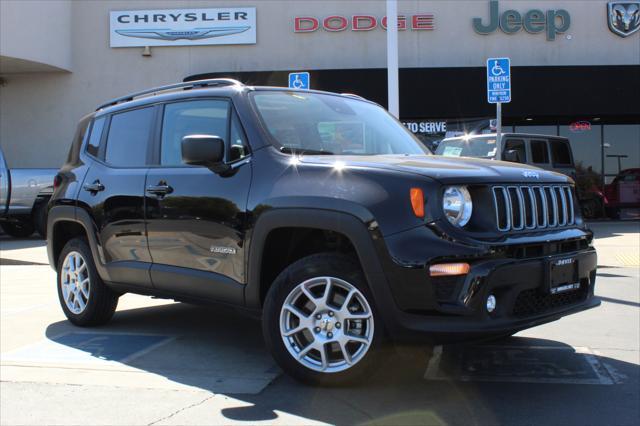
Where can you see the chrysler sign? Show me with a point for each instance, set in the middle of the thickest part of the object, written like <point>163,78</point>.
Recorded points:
<point>183,27</point>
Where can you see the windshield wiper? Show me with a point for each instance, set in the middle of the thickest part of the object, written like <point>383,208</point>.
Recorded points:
<point>303,151</point>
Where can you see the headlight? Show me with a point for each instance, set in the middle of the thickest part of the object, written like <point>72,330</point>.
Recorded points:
<point>457,205</point>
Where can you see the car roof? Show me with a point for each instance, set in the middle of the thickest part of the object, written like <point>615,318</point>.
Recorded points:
<point>191,90</point>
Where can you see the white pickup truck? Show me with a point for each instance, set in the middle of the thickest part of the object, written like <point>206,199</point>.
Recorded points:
<point>24,194</point>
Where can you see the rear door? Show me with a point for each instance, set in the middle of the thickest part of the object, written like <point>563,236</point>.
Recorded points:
<point>196,225</point>
<point>113,191</point>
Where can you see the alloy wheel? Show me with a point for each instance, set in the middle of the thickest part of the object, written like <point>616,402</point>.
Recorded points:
<point>326,324</point>
<point>75,282</point>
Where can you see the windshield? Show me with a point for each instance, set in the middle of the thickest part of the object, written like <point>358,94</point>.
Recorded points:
<point>315,123</point>
<point>477,147</point>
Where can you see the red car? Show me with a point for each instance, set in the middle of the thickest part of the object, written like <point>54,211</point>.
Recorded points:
<point>623,192</point>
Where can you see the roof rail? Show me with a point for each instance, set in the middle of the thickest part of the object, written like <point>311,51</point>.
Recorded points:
<point>185,86</point>
<point>353,95</point>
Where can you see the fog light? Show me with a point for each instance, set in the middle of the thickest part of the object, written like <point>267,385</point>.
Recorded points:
<point>491,303</point>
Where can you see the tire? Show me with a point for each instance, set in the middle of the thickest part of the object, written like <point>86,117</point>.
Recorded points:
<point>85,299</point>
<point>322,324</point>
<point>40,218</point>
<point>20,229</point>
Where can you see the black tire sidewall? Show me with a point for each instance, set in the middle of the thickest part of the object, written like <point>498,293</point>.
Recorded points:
<point>97,288</point>
<point>40,219</point>
<point>325,264</point>
<point>21,229</point>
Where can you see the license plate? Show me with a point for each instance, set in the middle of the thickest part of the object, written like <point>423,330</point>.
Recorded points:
<point>563,275</point>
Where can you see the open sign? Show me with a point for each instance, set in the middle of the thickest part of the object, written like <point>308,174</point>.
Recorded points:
<point>580,126</point>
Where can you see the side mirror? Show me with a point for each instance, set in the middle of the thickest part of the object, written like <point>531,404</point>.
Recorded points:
<point>204,150</point>
<point>512,155</point>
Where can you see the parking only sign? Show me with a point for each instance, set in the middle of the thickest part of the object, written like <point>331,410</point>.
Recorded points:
<point>299,80</point>
<point>498,80</point>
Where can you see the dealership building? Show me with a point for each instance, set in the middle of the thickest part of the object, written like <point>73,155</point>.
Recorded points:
<point>575,65</point>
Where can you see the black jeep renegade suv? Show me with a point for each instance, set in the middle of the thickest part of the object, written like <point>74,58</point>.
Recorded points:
<point>319,210</point>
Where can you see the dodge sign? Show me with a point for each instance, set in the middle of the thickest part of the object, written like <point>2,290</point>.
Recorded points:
<point>183,27</point>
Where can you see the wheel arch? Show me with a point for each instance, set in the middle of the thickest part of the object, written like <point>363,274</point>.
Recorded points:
<point>65,223</point>
<point>344,224</point>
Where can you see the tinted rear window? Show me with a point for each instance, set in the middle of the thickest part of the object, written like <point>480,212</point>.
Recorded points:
<point>539,152</point>
<point>560,153</point>
<point>128,138</point>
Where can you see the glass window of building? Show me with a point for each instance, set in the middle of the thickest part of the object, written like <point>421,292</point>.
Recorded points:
<point>621,148</point>
<point>585,145</point>
<point>538,130</point>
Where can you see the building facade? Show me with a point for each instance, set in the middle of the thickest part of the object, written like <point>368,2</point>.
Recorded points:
<point>575,64</point>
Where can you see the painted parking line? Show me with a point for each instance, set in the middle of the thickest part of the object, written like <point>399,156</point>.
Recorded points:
<point>519,364</point>
<point>82,348</point>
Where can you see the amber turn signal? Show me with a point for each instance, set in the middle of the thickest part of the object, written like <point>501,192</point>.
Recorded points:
<point>417,201</point>
<point>444,269</point>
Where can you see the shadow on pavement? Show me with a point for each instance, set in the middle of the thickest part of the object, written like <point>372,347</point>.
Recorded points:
<point>10,243</point>
<point>218,342</point>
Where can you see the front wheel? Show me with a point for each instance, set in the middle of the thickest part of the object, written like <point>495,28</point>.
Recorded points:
<point>319,321</point>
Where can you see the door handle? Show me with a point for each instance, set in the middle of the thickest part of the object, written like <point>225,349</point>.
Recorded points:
<point>161,189</point>
<point>94,187</point>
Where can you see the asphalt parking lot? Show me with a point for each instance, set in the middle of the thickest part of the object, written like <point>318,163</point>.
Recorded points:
<point>160,362</point>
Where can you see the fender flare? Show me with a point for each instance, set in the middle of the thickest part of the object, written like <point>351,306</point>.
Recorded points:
<point>343,223</point>
<point>62,213</point>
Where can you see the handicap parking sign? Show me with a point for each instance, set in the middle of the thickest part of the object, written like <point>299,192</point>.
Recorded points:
<point>498,80</point>
<point>299,80</point>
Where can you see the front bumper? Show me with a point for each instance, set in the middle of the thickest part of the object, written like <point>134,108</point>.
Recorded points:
<point>454,309</point>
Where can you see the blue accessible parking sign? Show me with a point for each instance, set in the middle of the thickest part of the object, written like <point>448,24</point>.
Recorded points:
<point>299,80</point>
<point>498,80</point>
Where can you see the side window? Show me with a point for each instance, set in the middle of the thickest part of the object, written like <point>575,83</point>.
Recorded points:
<point>128,139</point>
<point>96,135</point>
<point>539,152</point>
<point>204,117</point>
<point>518,146</point>
<point>560,153</point>
<point>238,148</point>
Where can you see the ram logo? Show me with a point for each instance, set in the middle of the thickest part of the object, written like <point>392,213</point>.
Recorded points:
<point>624,17</point>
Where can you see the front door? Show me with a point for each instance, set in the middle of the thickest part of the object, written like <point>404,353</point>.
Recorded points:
<point>195,217</point>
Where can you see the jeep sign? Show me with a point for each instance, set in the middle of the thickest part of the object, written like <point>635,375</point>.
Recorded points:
<point>183,27</point>
<point>534,21</point>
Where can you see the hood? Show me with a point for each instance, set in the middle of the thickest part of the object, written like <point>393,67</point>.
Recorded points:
<point>445,169</point>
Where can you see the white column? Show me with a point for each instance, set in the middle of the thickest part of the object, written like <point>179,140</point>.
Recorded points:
<point>392,58</point>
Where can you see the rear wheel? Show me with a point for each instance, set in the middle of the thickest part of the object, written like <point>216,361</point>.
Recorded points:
<point>85,299</point>
<point>18,229</point>
<point>319,321</point>
<point>40,218</point>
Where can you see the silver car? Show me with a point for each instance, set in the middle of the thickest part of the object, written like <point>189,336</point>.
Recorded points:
<point>24,195</point>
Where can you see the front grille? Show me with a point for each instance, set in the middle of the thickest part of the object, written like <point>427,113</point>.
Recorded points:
<point>533,302</point>
<point>519,207</point>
